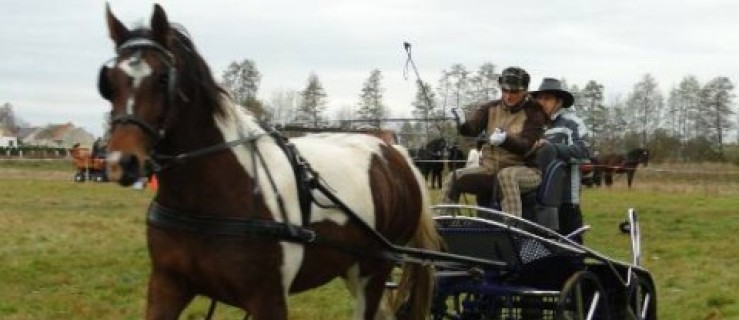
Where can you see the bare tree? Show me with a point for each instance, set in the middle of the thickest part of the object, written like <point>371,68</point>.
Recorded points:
<point>426,107</point>
<point>484,84</point>
<point>644,105</point>
<point>717,100</point>
<point>282,106</point>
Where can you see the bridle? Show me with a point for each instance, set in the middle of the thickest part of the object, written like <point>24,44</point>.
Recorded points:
<point>138,45</point>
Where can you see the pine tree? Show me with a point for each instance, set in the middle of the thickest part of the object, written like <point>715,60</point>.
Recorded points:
<point>312,102</point>
<point>592,110</point>
<point>426,107</point>
<point>371,107</point>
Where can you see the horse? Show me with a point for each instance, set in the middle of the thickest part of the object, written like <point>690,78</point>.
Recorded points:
<point>609,164</point>
<point>242,215</point>
<point>456,157</point>
<point>430,160</point>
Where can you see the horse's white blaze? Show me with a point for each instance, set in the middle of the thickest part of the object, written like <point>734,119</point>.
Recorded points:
<point>138,70</point>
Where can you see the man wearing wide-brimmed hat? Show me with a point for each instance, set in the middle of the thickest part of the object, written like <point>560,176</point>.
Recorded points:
<point>564,141</point>
<point>513,124</point>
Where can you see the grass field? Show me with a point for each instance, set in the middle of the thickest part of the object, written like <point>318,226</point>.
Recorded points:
<point>77,251</point>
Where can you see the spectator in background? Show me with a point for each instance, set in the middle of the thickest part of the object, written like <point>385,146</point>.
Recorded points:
<point>473,158</point>
<point>98,149</point>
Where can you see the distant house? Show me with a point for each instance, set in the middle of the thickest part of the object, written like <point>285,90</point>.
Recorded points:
<point>8,138</point>
<point>58,136</point>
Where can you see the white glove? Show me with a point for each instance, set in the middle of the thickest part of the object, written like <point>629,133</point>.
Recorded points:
<point>497,137</point>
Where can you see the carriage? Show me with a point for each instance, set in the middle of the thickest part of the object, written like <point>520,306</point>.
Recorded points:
<point>88,168</point>
<point>545,275</point>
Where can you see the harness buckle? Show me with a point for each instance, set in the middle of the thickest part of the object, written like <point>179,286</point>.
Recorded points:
<point>312,236</point>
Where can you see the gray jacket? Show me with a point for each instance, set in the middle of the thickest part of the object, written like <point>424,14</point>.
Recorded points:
<point>566,132</point>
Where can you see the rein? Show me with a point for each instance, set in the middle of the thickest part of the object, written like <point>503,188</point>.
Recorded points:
<point>308,180</point>
<point>161,162</point>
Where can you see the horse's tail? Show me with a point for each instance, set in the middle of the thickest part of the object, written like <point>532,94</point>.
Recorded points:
<point>412,299</point>
<point>416,286</point>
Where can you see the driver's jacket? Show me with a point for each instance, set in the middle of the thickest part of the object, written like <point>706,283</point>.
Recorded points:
<point>523,124</point>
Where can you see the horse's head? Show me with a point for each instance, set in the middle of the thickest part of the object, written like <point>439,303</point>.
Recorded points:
<point>639,155</point>
<point>437,147</point>
<point>140,84</point>
<point>155,73</point>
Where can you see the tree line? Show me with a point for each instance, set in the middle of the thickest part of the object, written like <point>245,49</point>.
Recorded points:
<point>691,122</point>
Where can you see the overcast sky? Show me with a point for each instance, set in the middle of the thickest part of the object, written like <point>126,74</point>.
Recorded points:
<point>51,50</point>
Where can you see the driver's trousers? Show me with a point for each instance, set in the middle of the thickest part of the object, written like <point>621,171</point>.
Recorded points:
<point>512,181</point>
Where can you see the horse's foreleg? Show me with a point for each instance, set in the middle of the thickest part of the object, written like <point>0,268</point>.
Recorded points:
<point>266,306</point>
<point>630,177</point>
<point>167,298</point>
<point>609,178</point>
<point>368,293</point>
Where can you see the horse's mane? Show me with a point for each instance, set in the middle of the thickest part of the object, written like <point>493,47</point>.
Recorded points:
<point>193,73</point>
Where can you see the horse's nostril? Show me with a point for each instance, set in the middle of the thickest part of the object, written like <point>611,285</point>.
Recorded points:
<point>130,169</point>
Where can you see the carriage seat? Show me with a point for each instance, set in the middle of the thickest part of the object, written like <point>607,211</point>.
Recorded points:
<point>542,204</point>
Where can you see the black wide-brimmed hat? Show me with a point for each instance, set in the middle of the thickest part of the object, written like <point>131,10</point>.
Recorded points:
<point>554,86</point>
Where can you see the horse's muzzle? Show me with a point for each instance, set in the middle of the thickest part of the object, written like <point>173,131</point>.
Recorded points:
<point>125,168</point>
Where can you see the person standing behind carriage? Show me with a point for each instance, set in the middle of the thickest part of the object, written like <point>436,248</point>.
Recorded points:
<point>514,123</point>
<point>563,140</point>
<point>473,158</point>
<point>98,149</point>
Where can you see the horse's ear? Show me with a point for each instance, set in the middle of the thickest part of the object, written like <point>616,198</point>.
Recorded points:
<point>159,25</point>
<point>118,32</point>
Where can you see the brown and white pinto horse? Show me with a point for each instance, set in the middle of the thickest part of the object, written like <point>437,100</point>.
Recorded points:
<point>609,164</point>
<point>224,166</point>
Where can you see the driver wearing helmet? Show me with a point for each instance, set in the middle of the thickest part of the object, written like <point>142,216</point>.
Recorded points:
<point>513,124</point>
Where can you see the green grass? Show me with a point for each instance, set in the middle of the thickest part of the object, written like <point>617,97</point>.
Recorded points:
<point>77,250</point>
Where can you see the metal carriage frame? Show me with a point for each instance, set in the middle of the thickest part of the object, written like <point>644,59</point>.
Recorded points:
<point>545,275</point>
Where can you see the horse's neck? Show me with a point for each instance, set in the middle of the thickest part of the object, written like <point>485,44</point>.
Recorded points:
<point>211,180</point>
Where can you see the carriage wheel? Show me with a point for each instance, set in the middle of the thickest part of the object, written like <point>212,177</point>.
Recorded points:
<point>642,300</point>
<point>582,298</point>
